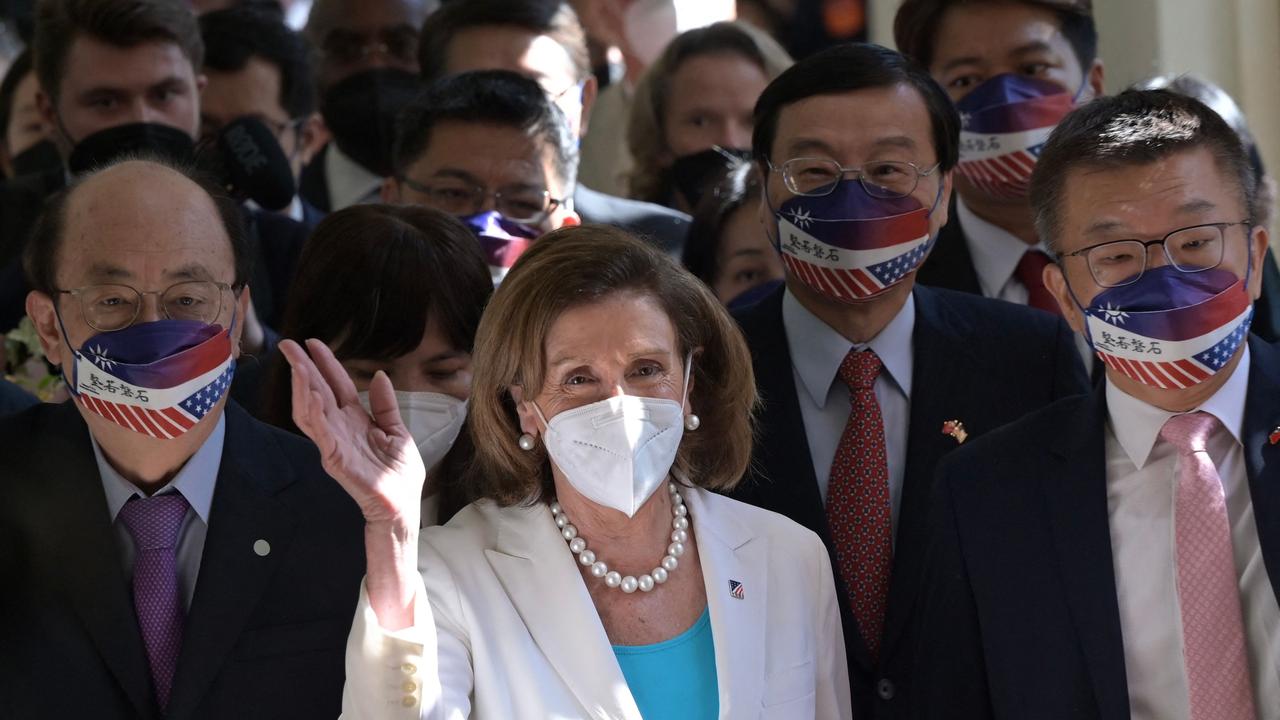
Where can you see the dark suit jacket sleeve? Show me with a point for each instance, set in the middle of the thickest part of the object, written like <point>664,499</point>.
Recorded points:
<point>14,398</point>
<point>949,673</point>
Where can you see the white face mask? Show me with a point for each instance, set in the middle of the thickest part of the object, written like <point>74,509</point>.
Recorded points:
<point>617,451</point>
<point>433,419</point>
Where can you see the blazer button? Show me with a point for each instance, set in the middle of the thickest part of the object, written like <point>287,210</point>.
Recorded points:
<point>885,689</point>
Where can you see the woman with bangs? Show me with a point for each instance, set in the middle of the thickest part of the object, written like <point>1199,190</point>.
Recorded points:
<point>397,290</point>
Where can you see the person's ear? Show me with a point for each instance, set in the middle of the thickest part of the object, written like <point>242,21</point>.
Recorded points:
<point>524,411</point>
<point>312,136</point>
<point>1258,243</point>
<point>390,191</point>
<point>1056,282</point>
<point>1096,78</point>
<point>43,313</point>
<point>590,88</point>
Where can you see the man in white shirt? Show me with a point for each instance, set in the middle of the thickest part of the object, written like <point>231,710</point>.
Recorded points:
<point>1114,555</point>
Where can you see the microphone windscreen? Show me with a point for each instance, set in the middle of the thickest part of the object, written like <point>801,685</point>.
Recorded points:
<point>253,164</point>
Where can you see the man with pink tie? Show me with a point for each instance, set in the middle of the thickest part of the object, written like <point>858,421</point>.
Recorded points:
<point>1115,555</point>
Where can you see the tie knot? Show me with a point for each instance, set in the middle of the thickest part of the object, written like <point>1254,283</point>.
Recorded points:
<point>154,522</point>
<point>1189,432</point>
<point>860,369</point>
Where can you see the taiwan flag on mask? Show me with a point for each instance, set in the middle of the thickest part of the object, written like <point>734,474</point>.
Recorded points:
<point>503,241</point>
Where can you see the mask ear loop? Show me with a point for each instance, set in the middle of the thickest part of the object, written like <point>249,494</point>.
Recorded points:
<point>74,381</point>
<point>688,365</point>
<point>1088,334</point>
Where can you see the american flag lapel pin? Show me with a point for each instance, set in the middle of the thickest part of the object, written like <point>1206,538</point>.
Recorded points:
<point>955,429</point>
<point>736,590</point>
<point>1275,436</point>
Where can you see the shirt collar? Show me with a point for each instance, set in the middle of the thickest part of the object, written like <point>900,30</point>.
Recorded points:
<point>817,349</point>
<point>995,251</point>
<point>195,480</point>
<point>1137,424</point>
<point>349,182</point>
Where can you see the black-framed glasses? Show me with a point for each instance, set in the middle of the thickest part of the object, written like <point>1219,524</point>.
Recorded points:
<point>1189,250</point>
<point>815,176</point>
<point>458,197</point>
<point>113,306</point>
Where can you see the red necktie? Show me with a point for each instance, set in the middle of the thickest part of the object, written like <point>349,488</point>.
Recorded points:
<point>858,501</point>
<point>1030,272</point>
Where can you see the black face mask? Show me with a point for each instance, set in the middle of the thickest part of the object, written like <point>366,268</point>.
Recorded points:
<point>693,175</point>
<point>361,113</point>
<point>105,146</point>
<point>39,158</point>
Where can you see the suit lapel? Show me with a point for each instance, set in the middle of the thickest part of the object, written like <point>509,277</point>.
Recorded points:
<point>232,575</point>
<point>1262,457</point>
<point>544,585</point>
<point>729,552</point>
<point>1075,489</point>
<point>89,560</point>
<point>942,380</point>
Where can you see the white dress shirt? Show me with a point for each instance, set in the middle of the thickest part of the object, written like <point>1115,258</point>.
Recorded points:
<point>1142,472</point>
<point>817,351</point>
<point>195,481</point>
<point>349,182</point>
<point>996,253</point>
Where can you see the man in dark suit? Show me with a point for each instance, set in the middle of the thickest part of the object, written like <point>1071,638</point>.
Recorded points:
<point>1115,555</point>
<point>502,35</point>
<point>165,554</point>
<point>866,380</point>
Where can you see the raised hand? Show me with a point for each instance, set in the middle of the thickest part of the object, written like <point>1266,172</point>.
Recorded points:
<point>372,456</point>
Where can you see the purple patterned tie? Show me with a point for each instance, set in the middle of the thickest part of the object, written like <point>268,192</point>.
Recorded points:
<point>157,598</point>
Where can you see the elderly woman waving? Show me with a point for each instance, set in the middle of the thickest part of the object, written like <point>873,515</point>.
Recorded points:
<point>597,576</point>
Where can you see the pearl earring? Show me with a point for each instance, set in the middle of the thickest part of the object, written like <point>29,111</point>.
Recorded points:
<point>526,442</point>
<point>692,422</point>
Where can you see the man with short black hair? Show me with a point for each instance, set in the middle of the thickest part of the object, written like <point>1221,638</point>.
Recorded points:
<point>868,378</point>
<point>492,149</point>
<point>165,554</point>
<point>542,40</point>
<point>1115,554</point>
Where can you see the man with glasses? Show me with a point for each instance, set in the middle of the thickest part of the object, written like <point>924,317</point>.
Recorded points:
<point>492,149</point>
<point>869,379</point>
<point>165,555</point>
<point>368,72</point>
<point>543,41</point>
<point>1115,555</point>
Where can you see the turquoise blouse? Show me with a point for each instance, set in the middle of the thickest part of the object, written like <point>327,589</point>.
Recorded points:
<point>674,679</point>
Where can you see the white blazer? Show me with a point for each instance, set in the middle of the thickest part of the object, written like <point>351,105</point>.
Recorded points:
<point>510,631</point>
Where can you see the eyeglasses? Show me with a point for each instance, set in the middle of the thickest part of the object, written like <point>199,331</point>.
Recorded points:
<point>348,48</point>
<point>1189,250</point>
<point>816,177</point>
<point>456,197</point>
<point>107,308</point>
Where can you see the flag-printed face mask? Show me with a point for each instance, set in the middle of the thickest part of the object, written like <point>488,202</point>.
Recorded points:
<point>1170,329</point>
<point>501,240</point>
<point>851,246</point>
<point>1005,122</point>
<point>157,378</point>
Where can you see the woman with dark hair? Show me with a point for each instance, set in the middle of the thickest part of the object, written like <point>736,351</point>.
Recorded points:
<point>727,247</point>
<point>691,116</point>
<point>396,290</point>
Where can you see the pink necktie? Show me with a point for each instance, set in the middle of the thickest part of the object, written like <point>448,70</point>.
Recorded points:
<point>1212,631</point>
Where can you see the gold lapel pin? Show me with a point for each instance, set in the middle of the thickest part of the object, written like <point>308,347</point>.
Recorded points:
<point>955,429</point>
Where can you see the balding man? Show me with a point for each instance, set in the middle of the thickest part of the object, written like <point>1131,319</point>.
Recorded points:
<point>165,555</point>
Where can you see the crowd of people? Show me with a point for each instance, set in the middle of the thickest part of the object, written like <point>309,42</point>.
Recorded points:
<point>577,359</point>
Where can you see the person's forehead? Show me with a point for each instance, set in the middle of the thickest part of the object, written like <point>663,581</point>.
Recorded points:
<point>994,30</point>
<point>622,321</point>
<point>373,15</point>
<point>491,153</point>
<point>507,47</point>
<point>143,219</point>
<point>854,123</point>
<point>93,63</point>
<point>254,88</point>
<point>1185,188</point>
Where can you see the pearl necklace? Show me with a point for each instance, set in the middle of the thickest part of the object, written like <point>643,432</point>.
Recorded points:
<point>629,584</point>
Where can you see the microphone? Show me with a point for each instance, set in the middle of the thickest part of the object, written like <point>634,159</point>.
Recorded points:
<point>248,159</point>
